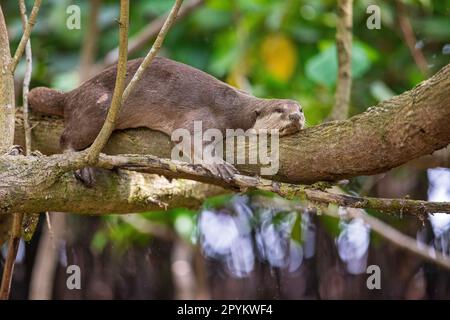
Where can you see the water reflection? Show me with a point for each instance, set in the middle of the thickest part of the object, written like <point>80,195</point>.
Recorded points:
<point>353,242</point>
<point>439,190</point>
<point>239,235</point>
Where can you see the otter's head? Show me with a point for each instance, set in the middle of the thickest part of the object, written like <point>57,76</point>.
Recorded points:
<point>285,115</point>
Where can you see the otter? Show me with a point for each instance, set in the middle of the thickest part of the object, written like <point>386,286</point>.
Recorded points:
<point>169,96</point>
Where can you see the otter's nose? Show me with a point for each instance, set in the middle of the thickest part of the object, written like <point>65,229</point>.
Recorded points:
<point>294,117</point>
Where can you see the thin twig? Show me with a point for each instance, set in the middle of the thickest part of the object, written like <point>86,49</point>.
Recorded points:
<point>154,50</point>
<point>26,35</point>
<point>113,112</point>
<point>13,246</point>
<point>149,32</point>
<point>315,193</point>
<point>26,80</point>
<point>403,241</point>
<point>344,55</point>
<point>50,228</point>
<point>116,102</point>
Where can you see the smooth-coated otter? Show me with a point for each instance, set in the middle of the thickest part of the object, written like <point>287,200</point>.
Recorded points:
<point>169,96</point>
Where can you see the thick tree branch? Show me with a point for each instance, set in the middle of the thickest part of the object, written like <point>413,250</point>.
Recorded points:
<point>394,132</point>
<point>6,109</point>
<point>7,114</point>
<point>16,230</point>
<point>407,126</point>
<point>37,184</point>
<point>37,179</point>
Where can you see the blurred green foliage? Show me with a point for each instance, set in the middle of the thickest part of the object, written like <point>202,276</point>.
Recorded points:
<point>281,48</point>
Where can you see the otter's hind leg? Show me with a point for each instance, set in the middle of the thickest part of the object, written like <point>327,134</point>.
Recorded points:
<point>78,140</point>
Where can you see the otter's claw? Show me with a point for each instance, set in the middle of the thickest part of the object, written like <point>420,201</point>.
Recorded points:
<point>224,170</point>
<point>86,176</point>
<point>36,153</point>
<point>15,151</point>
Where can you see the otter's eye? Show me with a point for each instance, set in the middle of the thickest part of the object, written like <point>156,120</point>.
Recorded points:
<point>257,112</point>
<point>279,110</point>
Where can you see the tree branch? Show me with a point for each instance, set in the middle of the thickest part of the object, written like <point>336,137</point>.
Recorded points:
<point>16,230</point>
<point>114,192</point>
<point>149,32</point>
<point>154,50</point>
<point>344,54</point>
<point>410,38</point>
<point>7,114</point>
<point>13,246</point>
<point>394,132</point>
<point>401,240</point>
<point>116,102</point>
<point>26,35</point>
<point>6,110</point>
<point>36,179</point>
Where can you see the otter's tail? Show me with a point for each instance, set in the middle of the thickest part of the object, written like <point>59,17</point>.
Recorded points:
<point>46,100</point>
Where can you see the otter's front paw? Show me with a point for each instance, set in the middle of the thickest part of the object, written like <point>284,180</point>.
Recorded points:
<point>225,170</point>
<point>86,176</point>
<point>15,151</point>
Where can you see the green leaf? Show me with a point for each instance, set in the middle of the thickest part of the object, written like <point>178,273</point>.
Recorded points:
<point>381,91</point>
<point>322,68</point>
<point>99,241</point>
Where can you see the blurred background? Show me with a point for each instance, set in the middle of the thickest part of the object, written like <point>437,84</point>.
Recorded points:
<point>250,245</point>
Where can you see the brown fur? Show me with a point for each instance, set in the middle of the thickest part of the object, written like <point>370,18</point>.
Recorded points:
<point>170,95</point>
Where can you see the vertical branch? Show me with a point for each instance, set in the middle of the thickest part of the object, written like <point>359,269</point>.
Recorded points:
<point>26,35</point>
<point>6,108</point>
<point>117,100</point>
<point>13,246</point>
<point>16,230</point>
<point>154,50</point>
<point>6,90</point>
<point>42,277</point>
<point>89,49</point>
<point>410,38</point>
<point>344,55</point>
<point>26,80</point>
<point>149,32</point>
